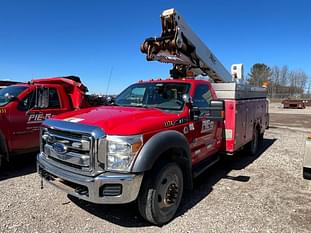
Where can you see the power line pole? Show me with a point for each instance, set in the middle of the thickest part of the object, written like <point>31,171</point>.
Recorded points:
<point>109,79</point>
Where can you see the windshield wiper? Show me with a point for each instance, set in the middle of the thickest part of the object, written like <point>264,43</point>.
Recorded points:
<point>140,106</point>
<point>132,105</point>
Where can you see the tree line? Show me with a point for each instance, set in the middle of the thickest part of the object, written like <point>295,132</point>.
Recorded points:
<point>282,82</point>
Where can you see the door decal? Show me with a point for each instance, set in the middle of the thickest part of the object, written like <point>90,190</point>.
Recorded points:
<point>38,117</point>
<point>207,126</point>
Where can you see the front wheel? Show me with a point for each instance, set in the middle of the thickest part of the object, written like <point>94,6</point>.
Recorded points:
<point>161,193</point>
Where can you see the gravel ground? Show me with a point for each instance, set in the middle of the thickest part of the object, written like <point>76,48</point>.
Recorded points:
<point>265,193</point>
<point>297,119</point>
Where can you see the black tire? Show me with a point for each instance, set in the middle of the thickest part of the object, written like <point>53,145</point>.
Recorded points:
<point>2,156</point>
<point>307,173</point>
<point>161,193</point>
<point>254,144</point>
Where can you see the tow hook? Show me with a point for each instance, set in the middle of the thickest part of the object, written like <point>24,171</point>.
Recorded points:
<point>41,183</point>
<point>44,175</point>
<point>81,190</point>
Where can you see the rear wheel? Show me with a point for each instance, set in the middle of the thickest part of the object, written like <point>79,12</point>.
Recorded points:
<point>254,144</point>
<point>161,193</point>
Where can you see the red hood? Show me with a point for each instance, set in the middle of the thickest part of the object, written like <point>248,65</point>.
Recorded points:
<point>115,120</point>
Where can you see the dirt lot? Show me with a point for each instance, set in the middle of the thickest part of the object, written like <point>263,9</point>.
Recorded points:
<point>265,193</point>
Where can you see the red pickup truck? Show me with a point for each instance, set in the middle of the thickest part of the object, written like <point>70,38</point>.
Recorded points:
<point>149,146</point>
<point>20,118</point>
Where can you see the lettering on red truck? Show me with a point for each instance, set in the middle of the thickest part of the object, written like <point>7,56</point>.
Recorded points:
<point>186,130</point>
<point>38,117</point>
<point>168,123</point>
<point>207,126</point>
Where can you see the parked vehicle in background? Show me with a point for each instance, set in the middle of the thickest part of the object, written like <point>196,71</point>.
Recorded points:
<point>294,103</point>
<point>21,116</point>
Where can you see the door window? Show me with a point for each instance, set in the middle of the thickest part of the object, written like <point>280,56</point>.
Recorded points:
<point>29,101</point>
<point>53,98</point>
<point>11,91</point>
<point>202,96</point>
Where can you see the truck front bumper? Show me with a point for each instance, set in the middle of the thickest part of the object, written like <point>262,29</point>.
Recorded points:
<point>106,188</point>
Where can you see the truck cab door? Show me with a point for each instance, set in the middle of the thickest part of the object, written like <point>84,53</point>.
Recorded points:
<point>26,129</point>
<point>23,134</point>
<point>204,129</point>
<point>48,103</point>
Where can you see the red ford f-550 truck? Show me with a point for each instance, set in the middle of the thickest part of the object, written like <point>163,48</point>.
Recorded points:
<point>20,118</point>
<point>159,134</point>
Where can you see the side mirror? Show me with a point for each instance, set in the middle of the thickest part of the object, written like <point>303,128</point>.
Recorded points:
<point>110,100</point>
<point>216,110</point>
<point>194,110</point>
<point>42,97</point>
<point>187,98</point>
<point>195,113</point>
<point>9,97</point>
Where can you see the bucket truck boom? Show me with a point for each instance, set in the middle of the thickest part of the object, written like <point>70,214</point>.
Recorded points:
<point>179,45</point>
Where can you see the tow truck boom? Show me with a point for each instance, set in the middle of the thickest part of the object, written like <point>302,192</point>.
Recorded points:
<point>179,45</point>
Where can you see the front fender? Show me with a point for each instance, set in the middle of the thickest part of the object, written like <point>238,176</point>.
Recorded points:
<point>157,145</point>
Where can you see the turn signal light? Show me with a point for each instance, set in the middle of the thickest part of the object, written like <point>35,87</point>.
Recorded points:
<point>189,74</point>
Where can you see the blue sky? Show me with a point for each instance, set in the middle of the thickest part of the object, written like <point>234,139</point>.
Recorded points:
<point>91,38</point>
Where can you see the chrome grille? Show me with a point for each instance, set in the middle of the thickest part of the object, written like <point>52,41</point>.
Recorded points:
<point>74,147</point>
<point>69,149</point>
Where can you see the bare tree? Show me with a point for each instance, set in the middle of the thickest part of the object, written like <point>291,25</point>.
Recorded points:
<point>297,82</point>
<point>283,82</point>
<point>309,88</point>
<point>302,80</point>
<point>284,76</point>
<point>278,82</point>
<point>274,81</point>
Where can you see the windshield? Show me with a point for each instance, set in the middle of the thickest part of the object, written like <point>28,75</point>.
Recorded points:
<point>12,91</point>
<point>164,95</point>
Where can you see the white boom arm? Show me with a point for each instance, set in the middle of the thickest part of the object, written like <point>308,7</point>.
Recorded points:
<point>179,45</point>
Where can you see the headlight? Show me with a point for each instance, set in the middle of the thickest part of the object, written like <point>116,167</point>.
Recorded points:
<point>43,137</point>
<point>121,151</point>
